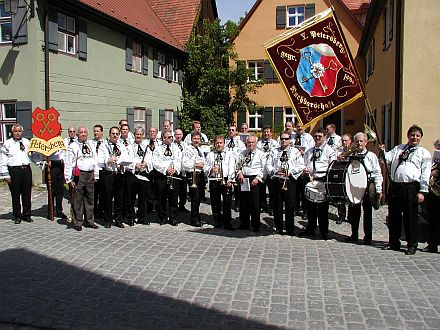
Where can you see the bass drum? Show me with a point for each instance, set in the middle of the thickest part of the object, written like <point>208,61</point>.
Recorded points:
<point>315,192</point>
<point>347,181</point>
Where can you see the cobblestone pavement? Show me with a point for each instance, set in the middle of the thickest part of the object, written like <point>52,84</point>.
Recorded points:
<point>164,277</point>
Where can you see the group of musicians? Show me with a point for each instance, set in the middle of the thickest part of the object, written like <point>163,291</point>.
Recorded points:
<point>107,175</point>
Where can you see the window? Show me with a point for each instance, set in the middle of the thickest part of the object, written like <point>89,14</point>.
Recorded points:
<point>137,57</point>
<point>386,125</point>
<point>369,62</point>
<point>388,13</point>
<point>289,115</point>
<point>295,15</point>
<point>5,25</point>
<point>66,34</point>
<point>175,65</point>
<point>162,65</point>
<point>8,117</point>
<point>257,68</point>
<point>255,121</point>
<point>139,117</point>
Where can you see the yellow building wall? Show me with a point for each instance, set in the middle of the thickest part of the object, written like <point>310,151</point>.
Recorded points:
<point>421,69</point>
<point>261,27</point>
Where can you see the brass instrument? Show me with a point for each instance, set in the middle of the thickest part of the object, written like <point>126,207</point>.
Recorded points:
<point>434,182</point>
<point>194,177</point>
<point>218,163</point>
<point>170,178</point>
<point>371,139</point>
<point>284,168</point>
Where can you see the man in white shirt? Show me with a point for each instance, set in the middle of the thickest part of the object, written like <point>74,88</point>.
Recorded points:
<point>16,171</point>
<point>81,170</point>
<point>410,169</point>
<point>333,140</point>
<point>317,161</point>
<point>71,131</point>
<point>98,145</point>
<point>183,184</point>
<point>166,126</point>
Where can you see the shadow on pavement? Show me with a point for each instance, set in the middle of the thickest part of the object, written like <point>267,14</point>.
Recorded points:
<point>44,292</point>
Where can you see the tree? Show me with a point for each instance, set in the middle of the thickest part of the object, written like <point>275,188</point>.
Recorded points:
<point>208,77</point>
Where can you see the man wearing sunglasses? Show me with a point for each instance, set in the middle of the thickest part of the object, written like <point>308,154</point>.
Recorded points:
<point>317,161</point>
<point>81,171</point>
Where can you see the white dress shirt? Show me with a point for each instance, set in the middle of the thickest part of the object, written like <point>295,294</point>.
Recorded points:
<point>334,141</point>
<point>256,166</point>
<point>372,166</point>
<point>191,156</point>
<point>140,154</point>
<point>99,147</point>
<point>416,168</point>
<point>305,140</point>
<point>12,155</point>
<point>318,166</point>
<point>295,162</point>
<point>203,138</point>
<point>86,161</point>
<point>227,163</point>
<point>125,155</point>
<point>162,159</point>
<point>234,145</point>
<point>270,145</point>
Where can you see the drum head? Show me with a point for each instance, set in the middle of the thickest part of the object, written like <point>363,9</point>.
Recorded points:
<point>356,182</point>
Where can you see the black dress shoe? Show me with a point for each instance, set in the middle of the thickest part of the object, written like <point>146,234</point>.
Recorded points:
<point>256,230</point>
<point>324,237</point>
<point>28,219</point>
<point>183,209</point>
<point>130,222</point>
<point>119,225</point>
<point>196,224</point>
<point>367,241</point>
<point>61,215</point>
<point>173,222</point>
<point>163,221</point>
<point>228,227</point>
<point>243,227</point>
<point>108,225</point>
<point>430,249</point>
<point>391,248</point>
<point>351,239</point>
<point>17,221</point>
<point>91,226</point>
<point>339,221</point>
<point>307,233</point>
<point>278,232</point>
<point>411,250</point>
<point>77,228</point>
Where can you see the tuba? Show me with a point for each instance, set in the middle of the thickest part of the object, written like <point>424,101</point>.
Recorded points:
<point>434,182</point>
<point>371,139</point>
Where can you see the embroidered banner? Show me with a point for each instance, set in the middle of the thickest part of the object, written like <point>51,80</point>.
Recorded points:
<point>314,65</point>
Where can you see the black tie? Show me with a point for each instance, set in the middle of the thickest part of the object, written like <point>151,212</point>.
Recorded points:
<point>71,141</point>
<point>330,141</point>
<point>298,140</point>
<point>151,145</point>
<point>231,144</point>
<point>198,151</point>
<point>266,146</point>
<point>97,146</point>
<point>140,152</point>
<point>116,151</point>
<point>180,146</point>
<point>248,158</point>
<point>168,151</point>
<point>125,142</point>
<point>22,146</point>
<point>85,149</point>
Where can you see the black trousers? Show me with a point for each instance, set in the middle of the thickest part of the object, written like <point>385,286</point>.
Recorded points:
<point>434,219</point>
<point>113,195</point>
<point>21,188</point>
<point>145,194</point>
<point>183,191</point>
<point>402,202</point>
<point>167,198</point>
<point>250,207</point>
<point>57,185</point>
<point>354,214</point>
<point>317,211</point>
<point>82,198</point>
<point>99,202</point>
<point>221,213</point>
<point>263,194</point>
<point>195,194</point>
<point>129,196</point>
<point>300,197</point>
<point>287,197</point>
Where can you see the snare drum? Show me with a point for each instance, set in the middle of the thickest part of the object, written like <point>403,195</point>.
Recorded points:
<point>315,192</point>
<point>346,181</point>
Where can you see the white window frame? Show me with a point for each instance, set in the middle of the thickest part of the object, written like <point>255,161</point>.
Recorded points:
<point>257,66</point>
<point>258,121</point>
<point>175,65</point>
<point>139,118</point>
<point>5,20</point>
<point>161,63</point>
<point>6,122</point>
<point>289,116</point>
<point>67,33</point>
<point>136,57</point>
<point>295,15</point>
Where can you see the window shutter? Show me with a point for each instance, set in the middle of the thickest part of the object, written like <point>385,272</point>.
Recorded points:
<point>53,31</point>
<point>175,119</point>
<point>130,117</point>
<point>82,42</point>
<point>180,74</point>
<point>144,60</point>
<point>281,17</point>
<point>241,118</point>
<point>169,69</point>
<point>155,64</point>
<point>161,117</point>
<point>268,71</point>
<point>148,120</point>
<point>278,117</point>
<point>310,10</point>
<point>267,116</point>
<point>391,14</point>
<point>19,24</point>
<point>24,117</point>
<point>129,54</point>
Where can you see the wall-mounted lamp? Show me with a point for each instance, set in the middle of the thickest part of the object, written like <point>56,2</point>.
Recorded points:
<point>11,6</point>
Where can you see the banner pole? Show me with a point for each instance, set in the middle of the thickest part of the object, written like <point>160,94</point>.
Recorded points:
<point>49,189</point>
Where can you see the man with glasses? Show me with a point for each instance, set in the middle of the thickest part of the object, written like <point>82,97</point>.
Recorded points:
<point>81,171</point>
<point>16,171</point>
<point>317,161</point>
<point>285,165</point>
<point>71,132</point>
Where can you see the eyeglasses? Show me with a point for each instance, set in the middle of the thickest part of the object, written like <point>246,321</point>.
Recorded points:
<point>232,129</point>
<point>114,133</point>
<point>168,137</point>
<point>71,131</point>
<point>318,136</point>
<point>285,138</point>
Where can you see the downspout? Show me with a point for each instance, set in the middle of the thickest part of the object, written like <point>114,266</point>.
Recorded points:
<point>46,58</point>
<point>398,75</point>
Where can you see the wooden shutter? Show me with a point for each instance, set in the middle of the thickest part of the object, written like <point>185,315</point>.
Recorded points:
<point>53,31</point>
<point>161,117</point>
<point>281,17</point>
<point>175,119</point>
<point>268,71</point>
<point>278,118</point>
<point>241,118</point>
<point>19,24</point>
<point>144,60</point>
<point>129,54</point>
<point>169,68</point>
<point>130,117</point>
<point>310,10</point>
<point>155,64</point>
<point>180,74</point>
<point>267,116</point>
<point>24,117</point>
<point>148,120</point>
<point>82,42</point>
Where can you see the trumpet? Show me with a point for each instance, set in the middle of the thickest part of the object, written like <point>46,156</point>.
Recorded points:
<point>218,163</point>
<point>434,182</point>
<point>194,177</point>
<point>284,168</point>
<point>170,178</point>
